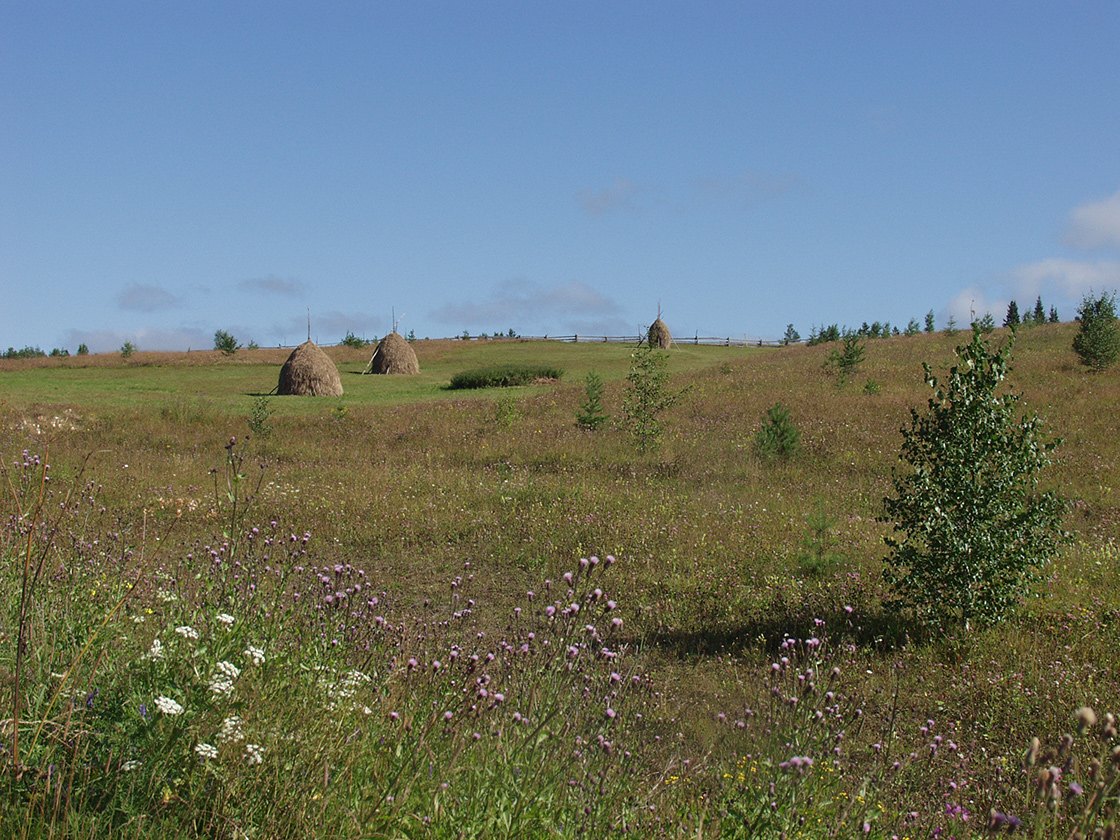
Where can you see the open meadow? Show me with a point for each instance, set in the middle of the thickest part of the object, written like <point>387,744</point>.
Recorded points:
<point>417,612</point>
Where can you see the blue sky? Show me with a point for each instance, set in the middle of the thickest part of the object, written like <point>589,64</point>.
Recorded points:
<point>170,169</point>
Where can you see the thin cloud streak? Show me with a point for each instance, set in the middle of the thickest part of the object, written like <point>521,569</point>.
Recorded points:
<point>1073,278</point>
<point>1095,225</point>
<point>516,303</point>
<point>620,194</point>
<point>143,298</point>
<point>273,285</point>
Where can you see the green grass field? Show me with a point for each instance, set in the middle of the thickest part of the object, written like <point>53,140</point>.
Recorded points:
<point>398,558</point>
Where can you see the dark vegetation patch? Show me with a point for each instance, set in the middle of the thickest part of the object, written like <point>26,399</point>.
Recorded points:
<point>504,376</point>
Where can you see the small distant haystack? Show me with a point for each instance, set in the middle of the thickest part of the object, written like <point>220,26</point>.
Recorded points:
<point>309,372</point>
<point>659,336</point>
<point>393,355</point>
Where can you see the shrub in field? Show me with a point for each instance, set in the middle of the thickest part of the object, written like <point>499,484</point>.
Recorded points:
<point>504,376</point>
<point>1012,317</point>
<point>506,412</point>
<point>25,353</point>
<point>970,525</point>
<point>819,553</point>
<point>647,396</point>
<point>83,350</point>
<point>225,342</point>
<point>351,340</point>
<point>127,350</point>
<point>591,414</point>
<point>846,360</point>
<point>259,423</point>
<point>1097,342</point>
<point>791,336</point>
<point>1038,316</point>
<point>778,438</point>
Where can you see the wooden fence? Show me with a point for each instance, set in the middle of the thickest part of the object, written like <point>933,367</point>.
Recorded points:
<point>714,341</point>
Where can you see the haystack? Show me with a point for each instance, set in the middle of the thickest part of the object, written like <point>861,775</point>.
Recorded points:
<point>309,372</point>
<point>659,336</point>
<point>393,355</point>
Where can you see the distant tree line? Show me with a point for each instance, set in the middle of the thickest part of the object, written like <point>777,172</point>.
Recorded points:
<point>884,329</point>
<point>36,353</point>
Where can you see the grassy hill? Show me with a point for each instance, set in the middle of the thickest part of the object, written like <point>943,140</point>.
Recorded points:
<point>736,583</point>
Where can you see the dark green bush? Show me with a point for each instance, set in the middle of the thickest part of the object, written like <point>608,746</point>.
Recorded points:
<point>25,353</point>
<point>503,376</point>
<point>351,340</point>
<point>778,438</point>
<point>225,342</point>
<point>970,524</point>
<point>591,414</point>
<point>1097,342</point>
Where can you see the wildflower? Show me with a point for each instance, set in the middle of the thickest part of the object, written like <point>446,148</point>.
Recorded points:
<point>155,651</point>
<point>132,765</point>
<point>254,754</point>
<point>229,669</point>
<point>226,619</point>
<point>168,706</point>
<point>231,730</point>
<point>187,632</point>
<point>221,684</point>
<point>1086,719</point>
<point>206,751</point>
<point>255,654</point>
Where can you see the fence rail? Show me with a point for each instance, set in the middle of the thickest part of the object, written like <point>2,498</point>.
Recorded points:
<point>699,340</point>
<point>714,341</point>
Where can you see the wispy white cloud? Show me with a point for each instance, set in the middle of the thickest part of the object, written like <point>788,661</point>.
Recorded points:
<point>972,304</point>
<point>105,341</point>
<point>522,305</point>
<point>273,285</point>
<point>1095,225</point>
<point>143,298</point>
<point>620,194</point>
<point>329,327</point>
<point>1071,278</point>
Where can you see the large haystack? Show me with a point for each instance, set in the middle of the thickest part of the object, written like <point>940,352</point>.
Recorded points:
<point>309,372</point>
<point>659,336</point>
<point>393,355</point>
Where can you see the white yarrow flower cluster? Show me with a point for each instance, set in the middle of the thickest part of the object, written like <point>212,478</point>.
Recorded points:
<point>226,619</point>
<point>168,706</point>
<point>344,689</point>
<point>231,730</point>
<point>206,751</point>
<point>221,684</point>
<point>255,654</point>
<point>133,764</point>
<point>187,632</point>
<point>254,753</point>
<point>229,669</point>
<point>155,651</point>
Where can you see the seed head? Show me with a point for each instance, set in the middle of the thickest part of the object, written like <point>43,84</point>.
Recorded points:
<point>1086,719</point>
